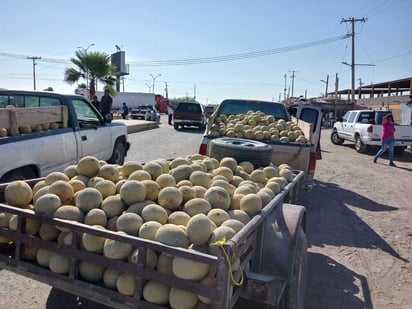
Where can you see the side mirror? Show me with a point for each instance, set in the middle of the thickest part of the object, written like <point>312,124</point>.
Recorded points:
<point>340,119</point>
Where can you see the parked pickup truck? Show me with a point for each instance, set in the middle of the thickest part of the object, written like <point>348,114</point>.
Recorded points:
<point>300,156</point>
<point>46,131</point>
<point>263,264</point>
<point>364,128</point>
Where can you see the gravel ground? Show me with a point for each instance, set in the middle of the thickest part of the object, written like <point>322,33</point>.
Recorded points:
<point>359,228</point>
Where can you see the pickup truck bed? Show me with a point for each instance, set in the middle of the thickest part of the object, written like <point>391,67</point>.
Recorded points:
<point>249,244</point>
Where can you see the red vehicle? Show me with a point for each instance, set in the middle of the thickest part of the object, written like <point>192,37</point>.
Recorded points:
<point>161,103</point>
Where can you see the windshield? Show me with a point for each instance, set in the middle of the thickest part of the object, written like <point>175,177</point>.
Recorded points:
<point>243,106</point>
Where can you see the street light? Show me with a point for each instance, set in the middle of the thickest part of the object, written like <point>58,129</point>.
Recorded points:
<point>87,71</point>
<point>148,86</point>
<point>154,78</point>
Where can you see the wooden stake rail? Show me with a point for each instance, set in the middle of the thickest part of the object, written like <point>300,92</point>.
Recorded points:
<point>13,118</point>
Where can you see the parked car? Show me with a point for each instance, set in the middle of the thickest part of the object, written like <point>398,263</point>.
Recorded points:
<point>189,114</point>
<point>140,112</point>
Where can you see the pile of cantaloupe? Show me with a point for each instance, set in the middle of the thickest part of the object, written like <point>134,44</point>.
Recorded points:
<point>190,202</point>
<point>256,125</point>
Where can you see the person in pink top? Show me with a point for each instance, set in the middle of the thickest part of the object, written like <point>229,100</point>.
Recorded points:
<point>388,139</point>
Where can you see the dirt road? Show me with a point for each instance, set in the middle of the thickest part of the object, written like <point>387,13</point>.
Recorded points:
<point>359,228</point>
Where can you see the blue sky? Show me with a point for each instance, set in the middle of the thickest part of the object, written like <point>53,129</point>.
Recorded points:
<point>161,30</point>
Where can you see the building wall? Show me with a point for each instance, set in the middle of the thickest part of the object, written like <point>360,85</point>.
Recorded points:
<point>386,103</point>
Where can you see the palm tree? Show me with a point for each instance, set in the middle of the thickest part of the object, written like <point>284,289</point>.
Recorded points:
<point>92,66</point>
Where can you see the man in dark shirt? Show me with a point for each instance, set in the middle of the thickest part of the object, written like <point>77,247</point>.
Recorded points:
<point>96,102</point>
<point>106,104</point>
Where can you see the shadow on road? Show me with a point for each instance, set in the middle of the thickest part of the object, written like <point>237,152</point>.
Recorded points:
<point>331,222</point>
<point>334,282</point>
<point>60,299</point>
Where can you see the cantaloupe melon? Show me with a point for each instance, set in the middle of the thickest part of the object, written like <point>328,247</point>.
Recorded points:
<point>150,261</point>
<point>223,171</point>
<point>156,293</point>
<point>70,171</point>
<point>18,193</point>
<point>209,281</point>
<point>218,216</point>
<point>47,204</point>
<point>59,263</point>
<point>170,198</point>
<point>189,269</point>
<point>110,277</point>
<point>154,212</point>
<point>181,172</point>
<point>92,242</point>
<point>109,172</point>
<point>43,257</point>
<point>218,197</point>
<point>200,178</point>
<point>95,216</point>
<point>63,190</point>
<point>31,227</point>
<point>88,166</point>
<point>178,218</point>
<point>91,272</point>
<point>152,189</point>
<point>181,299</point>
<point>54,176</point>
<point>67,212</point>
<point>113,206</point>
<point>236,225</point>
<point>126,284</point>
<point>114,249</point>
<point>149,229</point>
<point>132,191</point>
<point>88,199</point>
<point>106,187</point>
<point>166,180</point>
<point>164,264</point>
<point>48,231</point>
<point>129,167</point>
<point>155,169</point>
<point>199,229</point>
<point>172,235</point>
<point>140,175</point>
<point>129,223</point>
<point>251,204</point>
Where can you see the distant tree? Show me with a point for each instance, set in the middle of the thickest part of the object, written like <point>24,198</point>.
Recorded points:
<point>48,89</point>
<point>175,101</point>
<point>92,67</point>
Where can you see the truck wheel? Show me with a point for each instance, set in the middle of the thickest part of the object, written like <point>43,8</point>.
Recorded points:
<point>119,153</point>
<point>359,145</point>
<point>258,153</point>
<point>294,295</point>
<point>335,139</point>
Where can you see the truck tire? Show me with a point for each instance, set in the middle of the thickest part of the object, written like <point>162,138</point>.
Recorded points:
<point>335,139</point>
<point>294,295</point>
<point>359,145</point>
<point>399,150</point>
<point>119,153</point>
<point>258,153</point>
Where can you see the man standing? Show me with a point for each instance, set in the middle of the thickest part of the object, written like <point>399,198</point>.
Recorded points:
<point>170,113</point>
<point>96,102</point>
<point>106,104</point>
<point>125,109</point>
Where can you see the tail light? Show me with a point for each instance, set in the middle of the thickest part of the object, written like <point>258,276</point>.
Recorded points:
<point>202,149</point>
<point>369,129</point>
<point>312,162</point>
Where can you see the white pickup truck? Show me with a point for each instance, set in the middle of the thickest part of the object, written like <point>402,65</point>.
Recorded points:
<point>44,132</point>
<point>300,156</point>
<point>364,128</point>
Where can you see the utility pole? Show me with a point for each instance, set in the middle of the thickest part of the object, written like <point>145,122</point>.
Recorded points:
<point>352,65</point>
<point>154,78</point>
<point>360,88</point>
<point>326,82</point>
<point>293,79</point>
<point>34,58</point>
<point>336,88</point>
<point>284,89</point>
<point>167,91</point>
<point>194,91</point>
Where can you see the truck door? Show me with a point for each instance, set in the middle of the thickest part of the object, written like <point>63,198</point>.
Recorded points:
<point>313,115</point>
<point>93,136</point>
<point>348,126</point>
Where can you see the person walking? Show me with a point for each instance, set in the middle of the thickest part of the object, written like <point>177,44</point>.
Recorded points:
<point>106,103</point>
<point>388,139</point>
<point>125,110</point>
<point>170,113</point>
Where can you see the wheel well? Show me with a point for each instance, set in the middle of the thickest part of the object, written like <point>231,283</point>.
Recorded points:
<point>23,172</point>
